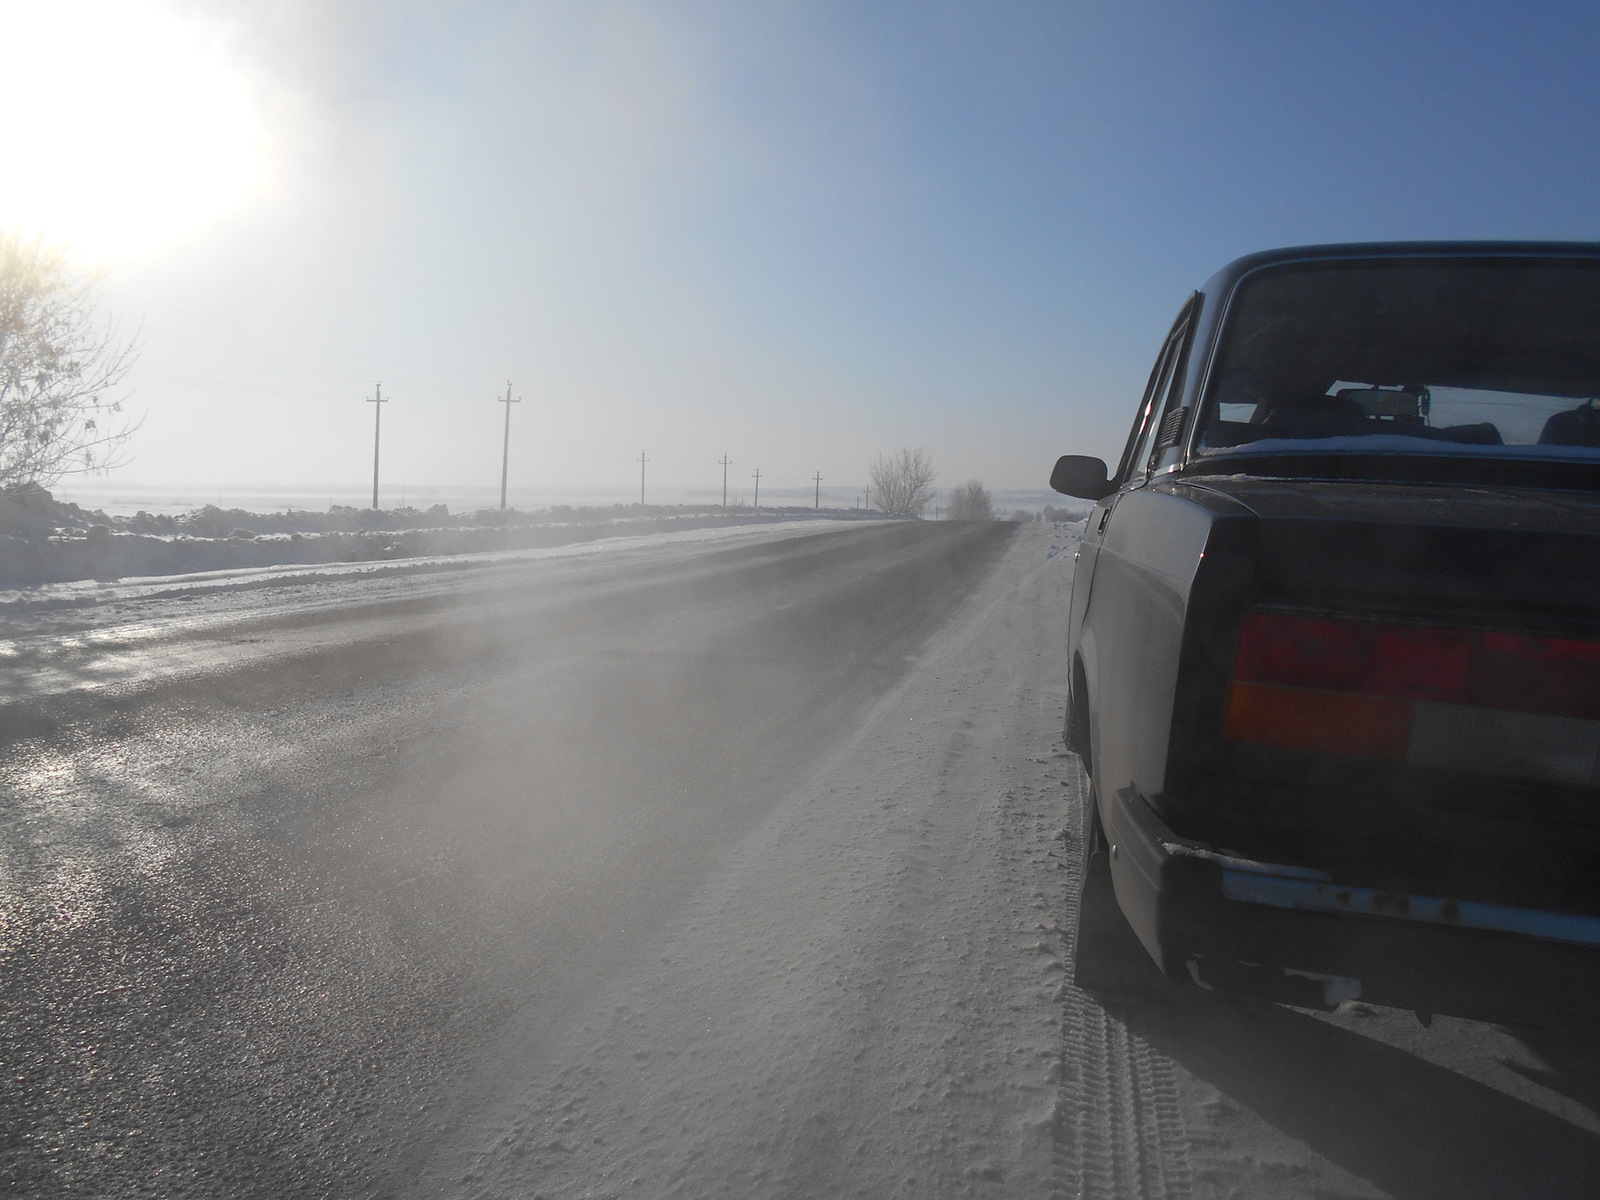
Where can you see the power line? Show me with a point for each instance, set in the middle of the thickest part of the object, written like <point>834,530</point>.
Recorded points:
<point>370,354</point>
<point>377,401</point>
<point>505,453</point>
<point>232,369</point>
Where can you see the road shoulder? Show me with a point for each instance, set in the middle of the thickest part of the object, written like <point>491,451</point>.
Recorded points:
<point>865,999</point>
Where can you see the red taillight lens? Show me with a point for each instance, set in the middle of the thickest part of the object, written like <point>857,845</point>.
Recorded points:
<point>1353,656</point>
<point>1559,676</point>
<point>1372,689</point>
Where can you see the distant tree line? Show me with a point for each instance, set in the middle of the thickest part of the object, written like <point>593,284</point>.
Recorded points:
<point>971,502</point>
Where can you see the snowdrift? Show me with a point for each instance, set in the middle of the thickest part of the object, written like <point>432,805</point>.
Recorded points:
<point>43,540</point>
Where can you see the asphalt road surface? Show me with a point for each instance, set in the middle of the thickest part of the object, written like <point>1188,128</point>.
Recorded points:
<point>733,866</point>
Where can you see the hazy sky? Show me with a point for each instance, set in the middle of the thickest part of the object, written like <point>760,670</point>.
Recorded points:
<point>797,234</point>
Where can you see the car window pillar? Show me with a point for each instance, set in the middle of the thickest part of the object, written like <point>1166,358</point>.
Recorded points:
<point>1162,396</point>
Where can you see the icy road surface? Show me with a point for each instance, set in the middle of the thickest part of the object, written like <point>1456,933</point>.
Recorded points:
<point>721,867</point>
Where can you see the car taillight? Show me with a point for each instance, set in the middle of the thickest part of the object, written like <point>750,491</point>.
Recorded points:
<point>1496,703</point>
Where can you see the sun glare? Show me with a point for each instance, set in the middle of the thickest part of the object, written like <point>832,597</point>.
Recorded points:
<point>130,129</point>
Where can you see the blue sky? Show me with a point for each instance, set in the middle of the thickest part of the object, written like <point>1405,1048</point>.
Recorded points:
<point>797,234</point>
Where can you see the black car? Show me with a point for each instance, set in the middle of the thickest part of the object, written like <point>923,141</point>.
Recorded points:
<point>1335,638</point>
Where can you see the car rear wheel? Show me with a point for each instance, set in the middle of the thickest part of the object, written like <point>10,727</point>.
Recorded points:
<point>1107,956</point>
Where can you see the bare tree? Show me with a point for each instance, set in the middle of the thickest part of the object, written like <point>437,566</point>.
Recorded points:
<point>59,368</point>
<point>903,483</point>
<point>970,502</point>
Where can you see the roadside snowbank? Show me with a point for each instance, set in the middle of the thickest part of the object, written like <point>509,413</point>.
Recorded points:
<point>44,541</point>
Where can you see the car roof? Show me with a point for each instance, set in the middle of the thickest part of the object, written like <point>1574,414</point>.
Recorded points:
<point>1223,281</point>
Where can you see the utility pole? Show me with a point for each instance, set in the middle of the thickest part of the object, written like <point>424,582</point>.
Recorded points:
<point>642,461</point>
<point>818,500</point>
<point>869,498</point>
<point>726,463</point>
<point>377,401</point>
<point>758,487</point>
<point>505,453</point>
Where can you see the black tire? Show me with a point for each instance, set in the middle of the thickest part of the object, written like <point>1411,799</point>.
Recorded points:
<point>1075,730</point>
<point>1107,956</point>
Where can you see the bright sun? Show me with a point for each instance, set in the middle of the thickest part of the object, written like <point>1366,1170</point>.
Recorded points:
<point>129,128</point>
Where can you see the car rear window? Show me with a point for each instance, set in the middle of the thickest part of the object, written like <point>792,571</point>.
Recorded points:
<point>1480,357</point>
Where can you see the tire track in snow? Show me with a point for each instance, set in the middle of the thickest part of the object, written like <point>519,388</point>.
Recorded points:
<point>1119,1129</point>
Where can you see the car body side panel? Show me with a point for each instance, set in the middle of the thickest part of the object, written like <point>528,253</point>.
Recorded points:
<point>1173,563</point>
<point>1081,648</point>
<point>1146,565</point>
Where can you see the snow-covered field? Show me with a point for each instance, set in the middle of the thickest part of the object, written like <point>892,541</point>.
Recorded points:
<point>47,541</point>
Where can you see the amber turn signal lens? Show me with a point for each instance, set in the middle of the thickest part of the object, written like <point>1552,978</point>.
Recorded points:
<point>1321,722</point>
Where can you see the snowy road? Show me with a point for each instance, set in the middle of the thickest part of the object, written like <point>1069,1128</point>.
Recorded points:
<point>728,867</point>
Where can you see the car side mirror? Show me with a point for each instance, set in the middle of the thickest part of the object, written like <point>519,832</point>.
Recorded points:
<point>1081,476</point>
